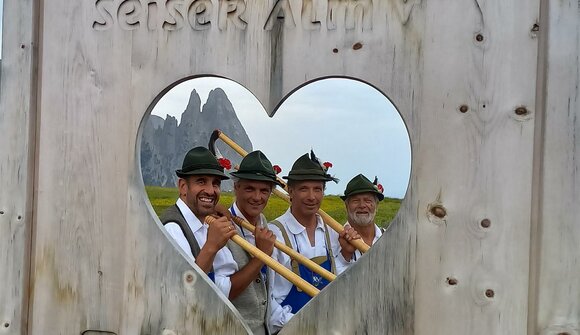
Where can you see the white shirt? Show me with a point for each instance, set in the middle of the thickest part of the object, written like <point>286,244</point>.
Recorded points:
<point>249,236</point>
<point>279,286</point>
<point>357,254</point>
<point>223,264</point>
<point>246,234</point>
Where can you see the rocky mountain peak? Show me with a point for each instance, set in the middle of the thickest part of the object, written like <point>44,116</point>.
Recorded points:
<point>164,144</point>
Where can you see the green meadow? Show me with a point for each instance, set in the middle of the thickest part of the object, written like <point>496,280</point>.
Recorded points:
<point>163,197</point>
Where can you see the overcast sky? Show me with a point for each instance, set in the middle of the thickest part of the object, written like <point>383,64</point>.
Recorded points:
<point>346,122</point>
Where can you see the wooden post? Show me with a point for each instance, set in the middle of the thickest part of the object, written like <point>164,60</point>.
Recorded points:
<point>17,150</point>
<point>554,306</point>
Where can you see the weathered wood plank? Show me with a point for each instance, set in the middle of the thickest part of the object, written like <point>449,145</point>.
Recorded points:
<point>475,165</point>
<point>472,275</point>
<point>376,295</point>
<point>100,258</point>
<point>17,138</point>
<point>555,299</point>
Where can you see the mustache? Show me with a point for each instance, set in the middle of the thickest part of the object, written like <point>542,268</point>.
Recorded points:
<point>362,219</point>
<point>206,195</point>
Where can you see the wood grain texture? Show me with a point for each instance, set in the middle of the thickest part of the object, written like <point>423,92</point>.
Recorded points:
<point>464,77</point>
<point>476,165</point>
<point>470,166</point>
<point>556,296</point>
<point>99,254</point>
<point>17,116</point>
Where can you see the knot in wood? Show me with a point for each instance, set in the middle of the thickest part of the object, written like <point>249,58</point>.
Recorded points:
<point>479,37</point>
<point>438,211</point>
<point>357,46</point>
<point>489,293</point>
<point>451,281</point>
<point>463,108</point>
<point>189,279</point>
<point>485,223</point>
<point>521,111</point>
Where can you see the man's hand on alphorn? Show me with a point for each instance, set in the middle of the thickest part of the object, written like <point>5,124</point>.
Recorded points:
<point>219,232</point>
<point>347,249</point>
<point>265,239</point>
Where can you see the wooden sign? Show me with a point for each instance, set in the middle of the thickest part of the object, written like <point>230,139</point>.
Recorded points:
<point>486,238</point>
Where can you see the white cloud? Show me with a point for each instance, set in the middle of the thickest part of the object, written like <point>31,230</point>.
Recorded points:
<point>346,122</point>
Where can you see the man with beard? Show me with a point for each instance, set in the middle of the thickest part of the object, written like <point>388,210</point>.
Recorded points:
<point>199,191</point>
<point>302,229</point>
<point>361,198</point>
<point>253,184</point>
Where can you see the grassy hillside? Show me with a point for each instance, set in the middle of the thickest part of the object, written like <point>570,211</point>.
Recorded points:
<point>162,198</point>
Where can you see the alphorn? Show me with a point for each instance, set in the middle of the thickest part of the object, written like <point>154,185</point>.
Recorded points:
<point>289,251</point>
<point>358,243</point>
<point>221,210</point>
<point>270,262</point>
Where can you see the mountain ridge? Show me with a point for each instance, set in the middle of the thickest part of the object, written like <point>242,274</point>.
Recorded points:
<point>165,142</point>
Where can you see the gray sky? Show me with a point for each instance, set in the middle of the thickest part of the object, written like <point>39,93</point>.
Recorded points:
<point>346,122</point>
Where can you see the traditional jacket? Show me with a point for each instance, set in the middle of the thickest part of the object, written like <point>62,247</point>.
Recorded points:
<point>177,220</point>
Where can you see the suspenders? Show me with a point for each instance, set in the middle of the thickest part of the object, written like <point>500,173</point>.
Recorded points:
<point>319,259</point>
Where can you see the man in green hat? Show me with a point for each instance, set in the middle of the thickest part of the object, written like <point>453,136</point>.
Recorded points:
<point>199,182</point>
<point>303,230</point>
<point>361,199</point>
<point>253,184</point>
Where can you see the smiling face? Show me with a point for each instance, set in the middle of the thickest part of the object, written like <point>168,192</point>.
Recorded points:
<point>361,208</point>
<point>306,197</point>
<point>201,193</point>
<point>252,197</point>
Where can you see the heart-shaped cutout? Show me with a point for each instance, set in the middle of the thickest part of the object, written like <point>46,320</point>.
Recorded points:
<point>343,128</point>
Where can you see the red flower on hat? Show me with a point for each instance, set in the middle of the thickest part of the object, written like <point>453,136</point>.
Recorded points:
<point>381,188</point>
<point>327,165</point>
<point>225,163</point>
<point>277,169</point>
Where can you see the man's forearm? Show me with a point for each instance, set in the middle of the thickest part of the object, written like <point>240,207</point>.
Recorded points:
<point>205,258</point>
<point>347,255</point>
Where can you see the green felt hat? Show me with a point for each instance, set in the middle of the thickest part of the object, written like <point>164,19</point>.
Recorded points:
<point>256,166</point>
<point>200,161</point>
<point>361,184</point>
<point>309,168</point>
